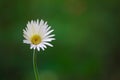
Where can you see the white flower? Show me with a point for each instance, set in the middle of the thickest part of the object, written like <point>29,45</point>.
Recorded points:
<point>38,35</point>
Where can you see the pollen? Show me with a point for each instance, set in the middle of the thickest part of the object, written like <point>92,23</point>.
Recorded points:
<point>36,39</point>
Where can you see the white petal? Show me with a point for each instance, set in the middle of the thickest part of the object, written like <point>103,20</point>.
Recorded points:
<point>48,33</point>
<point>48,28</point>
<point>41,22</point>
<point>32,46</point>
<point>48,44</point>
<point>49,39</point>
<point>37,21</point>
<point>49,36</point>
<point>26,41</point>
<point>38,48</point>
<point>26,37</point>
<point>42,48</point>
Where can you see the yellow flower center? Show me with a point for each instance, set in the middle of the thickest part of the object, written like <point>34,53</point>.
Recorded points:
<point>36,39</point>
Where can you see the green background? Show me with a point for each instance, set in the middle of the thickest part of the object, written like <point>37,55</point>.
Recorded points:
<point>87,45</point>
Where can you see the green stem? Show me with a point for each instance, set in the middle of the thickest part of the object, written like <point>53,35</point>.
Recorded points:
<point>35,65</point>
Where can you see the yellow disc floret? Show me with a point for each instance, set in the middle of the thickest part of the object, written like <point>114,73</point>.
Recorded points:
<point>36,39</point>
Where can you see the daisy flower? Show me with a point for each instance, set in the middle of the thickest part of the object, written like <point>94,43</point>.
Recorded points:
<point>38,35</point>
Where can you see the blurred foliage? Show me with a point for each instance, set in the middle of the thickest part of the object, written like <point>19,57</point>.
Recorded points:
<point>87,45</point>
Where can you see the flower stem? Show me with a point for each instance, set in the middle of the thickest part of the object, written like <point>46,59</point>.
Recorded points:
<point>35,65</point>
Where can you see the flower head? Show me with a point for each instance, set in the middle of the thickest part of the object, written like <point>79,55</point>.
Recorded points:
<point>38,35</point>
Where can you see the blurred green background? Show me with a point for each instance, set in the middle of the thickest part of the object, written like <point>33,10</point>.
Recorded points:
<point>87,45</point>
